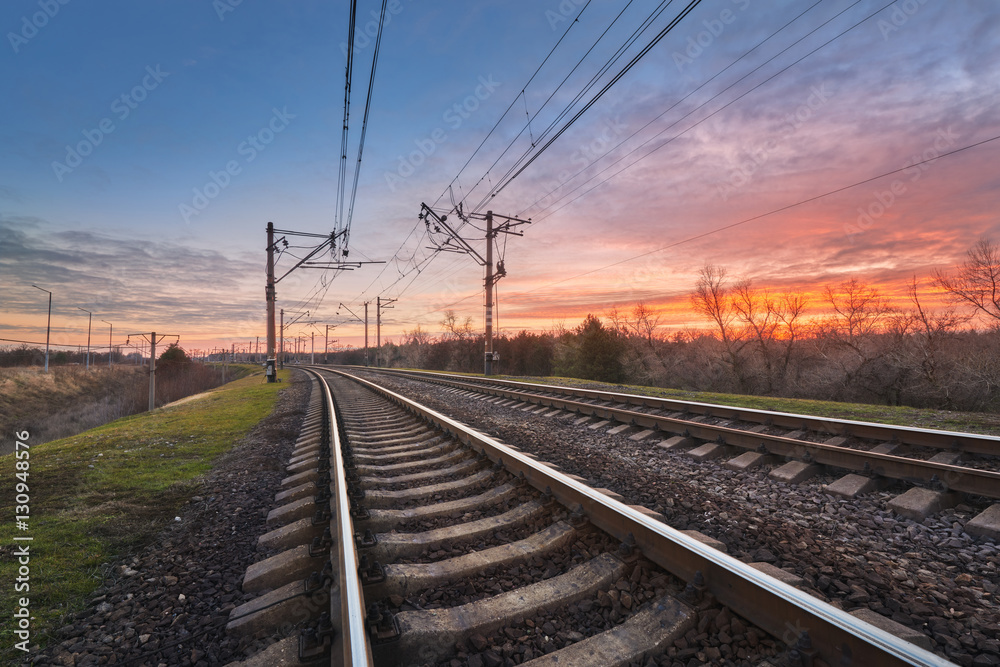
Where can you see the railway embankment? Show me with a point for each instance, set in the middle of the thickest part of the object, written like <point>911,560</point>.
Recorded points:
<point>122,517</point>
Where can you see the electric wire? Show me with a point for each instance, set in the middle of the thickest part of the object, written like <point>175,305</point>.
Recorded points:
<point>683,99</point>
<point>618,52</point>
<point>342,174</point>
<point>514,101</point>
<point>762,215</point>
<point>364,129</point>
<point>635,59</point>
<point>711,115</point>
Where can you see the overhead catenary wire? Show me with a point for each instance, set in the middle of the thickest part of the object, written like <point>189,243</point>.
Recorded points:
<point>415,274</point>
<point>621,49</point>
<point>744,221</point>
<point>579,94</point>
<point>342,173</point>
<point>712,114</point>
<point>514,101</point>
<point>635,59</point>
<point>688,95</point>
<point>364,129</point>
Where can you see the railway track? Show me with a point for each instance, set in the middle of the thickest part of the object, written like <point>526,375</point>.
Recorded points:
<point>944,463</point>
<point>403,537</point>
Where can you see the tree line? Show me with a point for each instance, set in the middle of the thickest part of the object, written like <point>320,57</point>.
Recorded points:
<point>862,348</point>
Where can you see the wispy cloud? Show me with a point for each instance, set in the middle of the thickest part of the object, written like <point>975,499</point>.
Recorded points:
<point>136,282</point>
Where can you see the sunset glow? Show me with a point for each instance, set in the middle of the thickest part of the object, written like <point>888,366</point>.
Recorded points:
<point>759,149</point>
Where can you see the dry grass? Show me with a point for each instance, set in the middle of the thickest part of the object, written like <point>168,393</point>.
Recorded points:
<point>70,399</point>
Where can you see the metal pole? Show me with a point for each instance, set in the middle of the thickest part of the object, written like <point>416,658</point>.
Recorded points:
<point>90,319</point>
<point>269,296</point>
<point>366,332</point>
<point>378,332</point>
<point>488,359</point>
<point>111,333</point>
<point>152,371</point>
<point>326,346</point>
<point>48,327</point>
<point>281,354</point>
<point>312,353</point>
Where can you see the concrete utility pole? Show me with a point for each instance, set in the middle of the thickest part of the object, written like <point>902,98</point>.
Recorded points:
<point>488,364</point>
<point>48,327</point>
<point>437,224</point>
<point>379,305</point>
<point>111,334</point>
<point>281,354</point>
<point>153,340</point>
<point>326,346</point>
<point>269,295</point>
<point>358,319</point>
<point>90,319</point>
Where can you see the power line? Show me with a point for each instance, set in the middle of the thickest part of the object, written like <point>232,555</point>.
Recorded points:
<point>579,94</point>
<point>635,59</point>
<point>523,88</point>
<point>719,110</point>
<point>683,99</point>
<point>758,217</point>
<point>364,130</point>
<point>342,174</point>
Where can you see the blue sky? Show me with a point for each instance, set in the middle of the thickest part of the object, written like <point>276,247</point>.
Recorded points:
<point>202,121</point>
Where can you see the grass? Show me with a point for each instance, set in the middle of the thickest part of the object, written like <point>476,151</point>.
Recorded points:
<point>969,422</point>
<point>102,494</point>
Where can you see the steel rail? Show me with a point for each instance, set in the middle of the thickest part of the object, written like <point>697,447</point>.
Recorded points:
<point>353,638</point>
<point>971,443</point>
<point>838,637</point>
<point>951,477</point>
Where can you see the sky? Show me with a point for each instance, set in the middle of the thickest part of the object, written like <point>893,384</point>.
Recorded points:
<point>146,145</point>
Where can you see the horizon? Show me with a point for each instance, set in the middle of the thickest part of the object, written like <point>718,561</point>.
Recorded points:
<point>148,147</point>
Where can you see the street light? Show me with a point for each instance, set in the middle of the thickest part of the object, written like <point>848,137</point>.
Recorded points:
<point>110,337</point>
<point>48,327</point>
<point>90,319</point>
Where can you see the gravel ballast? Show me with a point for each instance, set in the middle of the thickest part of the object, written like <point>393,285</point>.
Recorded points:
<point>929,575</point>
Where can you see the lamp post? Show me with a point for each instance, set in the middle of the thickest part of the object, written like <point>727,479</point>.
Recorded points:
<point>110,337</point>
<point>90,319</point>
<point>48,327</point>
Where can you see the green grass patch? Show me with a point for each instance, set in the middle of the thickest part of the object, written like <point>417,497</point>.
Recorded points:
<point>99,495</point>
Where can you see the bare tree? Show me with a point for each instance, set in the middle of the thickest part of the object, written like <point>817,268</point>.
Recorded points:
<point>646,322</point>
<point>860,311</point>
<point>457,329</point>
<point>711,298</point>
<point>977,282</point>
